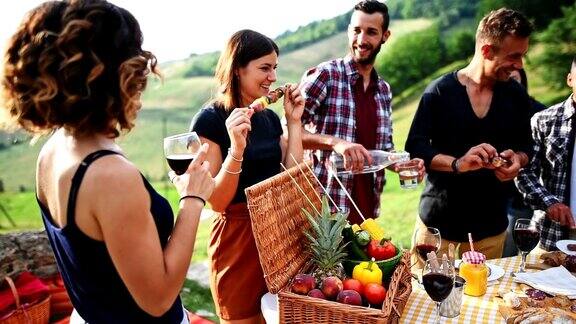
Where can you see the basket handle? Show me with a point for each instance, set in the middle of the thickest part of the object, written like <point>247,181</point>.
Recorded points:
<point>14,291</point>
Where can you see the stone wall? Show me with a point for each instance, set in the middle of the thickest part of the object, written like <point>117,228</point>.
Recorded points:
<point>26,251</point>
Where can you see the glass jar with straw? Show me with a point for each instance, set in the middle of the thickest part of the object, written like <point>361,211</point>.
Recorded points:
<point>473,269</point>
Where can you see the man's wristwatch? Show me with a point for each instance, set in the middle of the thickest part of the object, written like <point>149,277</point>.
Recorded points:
<point>455,166</point>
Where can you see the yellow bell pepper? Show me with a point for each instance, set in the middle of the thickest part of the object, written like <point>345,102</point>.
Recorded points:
<point>367,272</point>
<point>356,228</point>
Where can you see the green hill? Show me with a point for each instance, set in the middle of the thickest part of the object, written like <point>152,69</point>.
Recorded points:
<point>176,99</point>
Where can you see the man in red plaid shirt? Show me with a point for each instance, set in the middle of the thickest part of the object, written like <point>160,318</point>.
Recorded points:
<point>348,105</point>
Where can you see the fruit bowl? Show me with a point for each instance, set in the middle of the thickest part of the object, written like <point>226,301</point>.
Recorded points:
<point>387,266</point>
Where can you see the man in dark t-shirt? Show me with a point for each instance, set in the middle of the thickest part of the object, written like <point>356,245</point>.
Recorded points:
<point>464,120</point>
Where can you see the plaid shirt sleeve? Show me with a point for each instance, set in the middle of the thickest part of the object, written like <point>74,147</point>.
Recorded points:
<point>528,181</point>
<point>313,86</point>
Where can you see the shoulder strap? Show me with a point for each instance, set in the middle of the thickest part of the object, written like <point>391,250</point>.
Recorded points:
<point>77,180</point>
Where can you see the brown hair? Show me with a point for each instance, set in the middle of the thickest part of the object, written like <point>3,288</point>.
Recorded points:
<point>373,6</point>
<point>498,24</point>
<point>78,65</point>
<point>244,46</point>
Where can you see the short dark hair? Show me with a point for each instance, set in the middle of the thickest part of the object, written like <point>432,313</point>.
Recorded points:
<point>372,6</point>
<point>76,65</point>
<point>498,24</point>
<point>244,46</point>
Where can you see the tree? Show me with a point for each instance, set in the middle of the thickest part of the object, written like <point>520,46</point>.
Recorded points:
<point>559,43</point>
<point>411,58</point>
<point>541,12</point>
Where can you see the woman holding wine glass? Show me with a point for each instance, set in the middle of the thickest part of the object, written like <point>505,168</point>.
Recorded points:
<point>246,146</point>
<point>76,69</point>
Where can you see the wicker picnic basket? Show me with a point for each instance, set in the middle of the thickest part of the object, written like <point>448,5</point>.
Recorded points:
<point>39,313</point>
<point>278,224</point>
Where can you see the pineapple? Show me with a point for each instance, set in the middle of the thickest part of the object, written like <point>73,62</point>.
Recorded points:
<point>326,245</point>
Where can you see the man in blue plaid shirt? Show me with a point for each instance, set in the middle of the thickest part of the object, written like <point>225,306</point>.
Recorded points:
<point>348,105</point>
<point>548,182</point>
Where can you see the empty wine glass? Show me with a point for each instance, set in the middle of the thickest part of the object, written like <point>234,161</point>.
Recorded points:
<point>426,240</point>
<point>526,236</point>
<point>438,281</point>
<point>180,150</point>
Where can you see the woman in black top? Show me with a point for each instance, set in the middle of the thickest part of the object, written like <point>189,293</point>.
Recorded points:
<point>77,69</point>
<point>246,147</point>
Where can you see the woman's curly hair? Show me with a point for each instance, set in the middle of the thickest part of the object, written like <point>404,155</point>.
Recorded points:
<point>78,65</point>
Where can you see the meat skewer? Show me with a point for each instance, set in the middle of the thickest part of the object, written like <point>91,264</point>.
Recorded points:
<point>264,101</point>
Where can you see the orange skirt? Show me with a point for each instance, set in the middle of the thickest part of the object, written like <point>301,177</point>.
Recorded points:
<point>236,277</point>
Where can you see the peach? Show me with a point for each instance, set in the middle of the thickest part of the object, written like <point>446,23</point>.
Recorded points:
<point>331,287</point>
<point>303,283</point>
<point>350,297</point>
<point>316,293</point>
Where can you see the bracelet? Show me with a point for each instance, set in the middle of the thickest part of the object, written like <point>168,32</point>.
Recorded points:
<point>233,157</point>
<point>195,197</point>
<point>231,172</point>
<point>454,166</point>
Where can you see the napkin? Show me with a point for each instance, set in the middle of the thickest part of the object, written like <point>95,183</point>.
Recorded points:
<point>555,281</point>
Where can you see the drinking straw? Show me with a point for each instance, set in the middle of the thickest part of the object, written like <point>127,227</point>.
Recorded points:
<point>299,188</point>
<point>346,192</point>
<point>317,180</point>
<point>471,243</point>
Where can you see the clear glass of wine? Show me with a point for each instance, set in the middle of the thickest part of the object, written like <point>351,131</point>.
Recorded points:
<point>426,240</point>
<point>438,281</point>
<point>180,150</point>
<point>526,236</point>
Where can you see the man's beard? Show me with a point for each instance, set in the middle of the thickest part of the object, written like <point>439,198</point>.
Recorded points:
<point>368,60</point>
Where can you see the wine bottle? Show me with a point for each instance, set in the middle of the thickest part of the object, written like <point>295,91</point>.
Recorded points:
<point>380,160</point>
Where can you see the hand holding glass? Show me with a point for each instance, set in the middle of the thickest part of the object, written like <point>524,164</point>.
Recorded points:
<point>408,174</point>
<point>180,150</point>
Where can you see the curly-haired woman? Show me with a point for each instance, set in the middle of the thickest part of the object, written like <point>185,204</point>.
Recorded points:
<point>76,69</point>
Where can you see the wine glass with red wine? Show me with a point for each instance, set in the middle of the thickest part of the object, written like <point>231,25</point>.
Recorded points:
<point>526,236</point>
<point>426,240</point>
<point>438,281</point>
<point>180,150</point>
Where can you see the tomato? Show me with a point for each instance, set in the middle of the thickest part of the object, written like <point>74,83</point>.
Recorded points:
<point>353,284</point>
<point>374,293</point>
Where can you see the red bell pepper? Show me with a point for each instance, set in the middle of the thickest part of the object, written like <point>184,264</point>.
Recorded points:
<point>381,250</point>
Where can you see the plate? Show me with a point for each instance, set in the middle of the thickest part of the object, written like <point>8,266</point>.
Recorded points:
<point>563,246</point>
<point>495,272</point>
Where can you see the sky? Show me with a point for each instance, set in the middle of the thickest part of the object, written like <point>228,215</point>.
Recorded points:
<point>174,29</point>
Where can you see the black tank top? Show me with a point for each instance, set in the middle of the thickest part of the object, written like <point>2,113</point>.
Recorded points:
<point>95,287</point>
